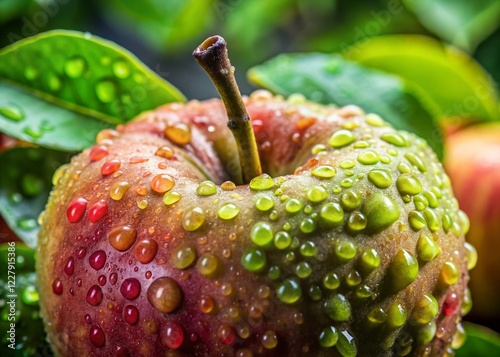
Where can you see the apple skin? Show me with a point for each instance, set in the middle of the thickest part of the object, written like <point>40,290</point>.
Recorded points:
<point>472,159</point>
<point>208,303</point>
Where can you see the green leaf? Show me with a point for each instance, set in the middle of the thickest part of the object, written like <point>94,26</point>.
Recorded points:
<point>10,9</point>
<point>32,119</point>
<point>454,81</point>
<point>480,342</point>
<point>25,183</point>
<point>30,336</point>
<point>330,79</point>
<point>463,23</point>
<point>162,24</point>
<point>86,74</point>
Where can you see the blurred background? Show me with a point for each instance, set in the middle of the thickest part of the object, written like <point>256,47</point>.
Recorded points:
<point>452,68</point>
<point>164,33</point>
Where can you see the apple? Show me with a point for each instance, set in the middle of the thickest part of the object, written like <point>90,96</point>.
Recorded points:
<point>472,158</point>
<point>165,237</point>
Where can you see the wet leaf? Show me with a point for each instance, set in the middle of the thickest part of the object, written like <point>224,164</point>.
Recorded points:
<point>25,184</point>
<point>453,80</point>
<point>463,23</point>
<point>480,342</point>
<point>85,74</point>
<point>329,79</point>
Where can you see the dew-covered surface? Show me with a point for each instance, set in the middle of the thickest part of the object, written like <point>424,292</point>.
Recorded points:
<point>351,243</point>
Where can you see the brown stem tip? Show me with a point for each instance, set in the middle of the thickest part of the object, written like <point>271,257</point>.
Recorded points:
<point>212,56</point>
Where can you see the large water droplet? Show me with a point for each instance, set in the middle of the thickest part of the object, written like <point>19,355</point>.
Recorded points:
<point>12,112</point>
<point>130,314</point>
<point>145,250</point>
<point>96,336</point>
<point>172,335</point>
<point>130,288</point>
<point>121,69</point>
<point>122,238</point>
<point>97,260</point>
<point>94,295</point>
<point>105,91</point>
<point>164,294</point>
<point>74,67</point>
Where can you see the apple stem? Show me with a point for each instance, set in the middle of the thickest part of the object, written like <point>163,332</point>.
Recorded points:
<point>212,56</point>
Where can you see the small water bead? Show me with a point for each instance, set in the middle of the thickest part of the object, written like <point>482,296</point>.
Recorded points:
<point>346,183</point>
<point>293,205</point>
<point>328,337</point>
<point>374,120</point>
<point>121,69</point>
<point>331,281</point>
<point>164,294</point>
<point>307,225</point>
<point>228,211</point>
<point>226,289</point>
<point>12,112</point>
<point>274,272</point>
<point>110,167</point>
<point>76,209</point>
<point>353,278</point>
<point>345,250</point>
<point>377,315</point>
<point>308,249</point>
<point>97,259</point>
<point>208,264</point>
<point>332,213</point>
<point>404,168</point>
<point>463,221</point>
<point>425,333</point>
<point>416,161</point>
<point>225,334</point>
<point>206,188</point>
<point>381,211</point>
<point>338,308</point>
<point>349,173</point>
<point>53,82</point>
<point>425,310</point>
<point>341,138</point>
<point>427,249</point>
<point>206,304</point>
<point>394,139</point>
<point>57,286</point>
<point>303,270</point>
<point>165,152</point>
<point>145,250</point>
<point>113,278</point>
<point>368,157</point>
<point>172,335</point>
<point>183,256</point>
<point>317,149</point>
<point>96,336</point>
<point>396,315</point>
<point>269,340</point>
<point>470,255</point>
<point>324,172</point>
<point>94,295</point>
<point>351,200</point>
<point>97,211</point>
<point>385,159</point>
<point>408,184</point>
<point>370,260</point>
<point>432,200</point>
<point>130,314</point>
<point>254,259</point>
<point>122,238</point>
<point>357,222</point>
<point>69,268</point>
<point>361,144</point>
<point>162,183</point>
<point>178,133</point>
<point>193,219</point>
<point>449,273</point>
<point>417,220</point>
<point>118,190</point>
<point>420,202</point>
<point>363,292</point>
<point>289,291</point>
<point>262,234</point>
<point>261,183</point>
<point>466,303</point>
<point>264,203</point>
<point>432,219</point>
<point>346,344</point>
<point>403,270</point>
<point>380,178</point>
<point>101,280</point>
<point>130,288</point>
